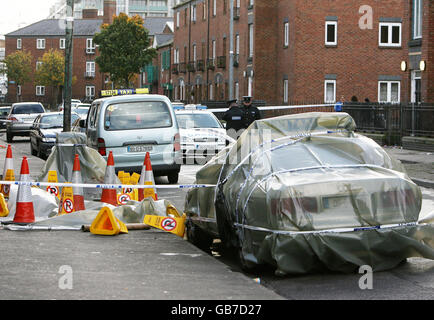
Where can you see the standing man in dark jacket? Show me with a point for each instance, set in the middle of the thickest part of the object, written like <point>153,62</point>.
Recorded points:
<point>251,113</point>
<point>235,120</point>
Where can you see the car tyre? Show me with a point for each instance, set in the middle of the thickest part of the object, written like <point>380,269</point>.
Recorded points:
<point>173,177</point>
<point>9,136</point>
<point>198,237</point>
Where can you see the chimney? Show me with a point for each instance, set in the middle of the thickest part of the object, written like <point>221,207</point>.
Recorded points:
<point>90,13</point>
<point>109,11</point>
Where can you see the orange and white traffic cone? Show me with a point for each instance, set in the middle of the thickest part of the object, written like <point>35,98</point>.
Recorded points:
<point>147,178</point>
<point>8,172</point>
<point>24,209</point>
<point>109,195</point>
<point>77,191</point>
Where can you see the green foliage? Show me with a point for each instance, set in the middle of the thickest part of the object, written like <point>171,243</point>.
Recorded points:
<point>18,67</point>
<point>124,49</point>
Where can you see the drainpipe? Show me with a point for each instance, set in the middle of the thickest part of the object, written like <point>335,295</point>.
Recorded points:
<point>231,51</point>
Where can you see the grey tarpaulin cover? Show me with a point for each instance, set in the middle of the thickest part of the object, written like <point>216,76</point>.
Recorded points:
<point>61,159</point>
<point>305,193</point>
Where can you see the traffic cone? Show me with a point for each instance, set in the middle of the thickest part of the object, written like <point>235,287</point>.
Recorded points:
<point>147,178</point>
<point>77,191</point>
<point>8,172</point>
<point>106,223</point>
<point>109,195</point>
<point>24,209</point>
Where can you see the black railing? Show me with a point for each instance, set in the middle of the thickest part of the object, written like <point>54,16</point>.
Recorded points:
<point>393,119</point>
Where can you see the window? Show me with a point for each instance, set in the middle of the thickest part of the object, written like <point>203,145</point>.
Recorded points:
<point>330,91</point>
<point>193,13</point>
<point>214,50</point>
<point>194,53</point>
<point>90,69</point>
<point>177,19</point>
<point>204,10</point>
<point>285,91</point>
<point>250,3</point>
<point>211,95</point>
<point>331,33</point>
<point>38,65</point>
<point>389,91</point>
<point>62,43</point>
<point>214,8</point>
<point>250,40</point>
<point>417,19</point>
<point>176,56</point>
<point>40,90</point>
<point>40,43</point>
<point>286,34</point>
<point>390,34</point>
<point>90,91</point>
<point>19,44</point>
<point>237,91</point>
<point>19,90</point>
<point>90,47</point>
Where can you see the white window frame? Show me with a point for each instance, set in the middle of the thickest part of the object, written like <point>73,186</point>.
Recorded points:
<point>331,43</point>
<point>40,43</point>
<point>90,91</point>
<point>40,91</point>
<point>326,82</point>
<point>237,44</point>
<point>62,43</point>
<point>19,43</point>
<point>178,15</point>
<point>389,91</point>
<point>38,65</point>
<point>390,26</point>
<point>214,49</point>
<point>194,53</point>
<point>285,90</point>
<point>286,34</point>
<point>237,90</point>
<point>214,8</point>
<point>211,93</point>
<point>90,46</point>
<point>193,13</point>
<point>417,19</point>
<point>19,90</point>
<point>251,36</point>
<point>90,68</point>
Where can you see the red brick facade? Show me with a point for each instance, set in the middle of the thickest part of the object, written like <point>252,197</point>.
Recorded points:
<point>357,63</point>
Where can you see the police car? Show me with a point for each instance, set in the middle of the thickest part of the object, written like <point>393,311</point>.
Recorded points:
<point>202,134</point>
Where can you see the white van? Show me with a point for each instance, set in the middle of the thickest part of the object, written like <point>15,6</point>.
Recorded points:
<point>130,126</point>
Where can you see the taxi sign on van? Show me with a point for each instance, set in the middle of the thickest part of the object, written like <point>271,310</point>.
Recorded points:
<point>122,92</point>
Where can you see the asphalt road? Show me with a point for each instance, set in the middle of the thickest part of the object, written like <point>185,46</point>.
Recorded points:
<point>413,279</point>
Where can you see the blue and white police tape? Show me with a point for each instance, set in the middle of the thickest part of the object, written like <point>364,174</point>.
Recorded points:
<point>105,186</point>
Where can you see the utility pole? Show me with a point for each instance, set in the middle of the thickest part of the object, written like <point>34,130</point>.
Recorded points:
<point>67,92</point>
<point>231,51</point>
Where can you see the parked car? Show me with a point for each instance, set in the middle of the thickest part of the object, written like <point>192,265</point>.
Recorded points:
<point>131,125</point>
<point>305,193</point>
<point>81,109</point>
<point>43,132</point>
<point>74,103</point>
<point>4,112</point>
<point>21,118</point>
<point>202,134</point>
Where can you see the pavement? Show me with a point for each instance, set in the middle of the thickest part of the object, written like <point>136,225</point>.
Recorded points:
<point>418,164</point>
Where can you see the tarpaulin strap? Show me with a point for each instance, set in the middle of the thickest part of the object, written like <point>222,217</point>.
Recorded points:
<point>106,186</point>
<point>338,230</point>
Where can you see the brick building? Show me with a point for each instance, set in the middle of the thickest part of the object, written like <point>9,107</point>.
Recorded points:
<point>296,51</point>
<point>40,37</point>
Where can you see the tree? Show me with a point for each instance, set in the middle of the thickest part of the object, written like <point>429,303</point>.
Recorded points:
<point>51,72</point>
<point>18,67</point>
<point>124,48</point>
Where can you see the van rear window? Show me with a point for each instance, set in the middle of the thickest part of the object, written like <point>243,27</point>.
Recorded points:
<point>137,115</point>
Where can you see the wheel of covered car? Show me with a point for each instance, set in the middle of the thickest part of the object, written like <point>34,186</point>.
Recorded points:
<point>198,237</point>
<point>173,178</point>
<point>9,136</point>
<point>32,151</point>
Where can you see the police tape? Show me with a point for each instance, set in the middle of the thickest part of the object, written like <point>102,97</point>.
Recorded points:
<point>105,186</point>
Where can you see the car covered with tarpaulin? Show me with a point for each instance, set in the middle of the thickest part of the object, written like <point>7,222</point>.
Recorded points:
<point>305,193</point>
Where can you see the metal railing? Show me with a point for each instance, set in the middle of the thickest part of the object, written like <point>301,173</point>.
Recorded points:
<point>400,120</point>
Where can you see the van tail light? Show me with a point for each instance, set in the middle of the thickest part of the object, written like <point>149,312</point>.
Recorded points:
<point>101,147</point>
<point>177,142</point>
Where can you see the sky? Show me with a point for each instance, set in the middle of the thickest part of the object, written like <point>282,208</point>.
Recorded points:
<point>15,14</point>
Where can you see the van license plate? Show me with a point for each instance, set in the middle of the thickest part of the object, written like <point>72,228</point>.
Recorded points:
<point>139,148</point>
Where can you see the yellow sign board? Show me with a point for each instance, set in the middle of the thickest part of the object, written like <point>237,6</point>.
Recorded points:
<point>122,92</point>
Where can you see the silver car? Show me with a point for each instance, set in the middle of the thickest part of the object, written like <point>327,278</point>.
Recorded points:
<point>132,125</point>
<point>21,118</point>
